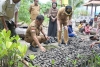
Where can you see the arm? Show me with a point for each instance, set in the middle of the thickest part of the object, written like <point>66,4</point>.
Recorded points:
<point>58,20</point>
<point>3,22</point>
<point>86,29</point>
<point>44,34</point>
<point>56,15</point>
<point>42,31</point>
<point>16,18</point>
<point>2,14</point>
<point>30,9</point>
<point>94,43</point>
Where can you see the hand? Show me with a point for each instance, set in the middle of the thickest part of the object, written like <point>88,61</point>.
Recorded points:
<point>91,46</point>
<point>49,15</point>
<point>53,19</point>
<point>6,28</point>
<point>15,24</point>
<point>65,27</point>
<point>42,49</point>
<point>47,37</point>
<point>59,29</point>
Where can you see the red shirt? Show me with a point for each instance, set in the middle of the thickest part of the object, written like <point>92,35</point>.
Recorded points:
<point>87,29</point>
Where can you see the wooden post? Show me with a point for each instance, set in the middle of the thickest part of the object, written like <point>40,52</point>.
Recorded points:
<point>87,8</point>
<point>92,10</point>
<point>95,9</point>
<point>61,2</point>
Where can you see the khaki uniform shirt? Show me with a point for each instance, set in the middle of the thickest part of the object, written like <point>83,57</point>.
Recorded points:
<point>8,8</point>
<point>34,11</point>
<point>33,29</point>
<point>62,16</point>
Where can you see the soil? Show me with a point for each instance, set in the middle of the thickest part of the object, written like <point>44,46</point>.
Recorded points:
<point>78,49</point>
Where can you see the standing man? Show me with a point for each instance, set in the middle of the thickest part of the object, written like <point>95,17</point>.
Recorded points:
<point>33,34</point>
<point>34,10</point>
<point>7,12</point>
<point>63,18</point>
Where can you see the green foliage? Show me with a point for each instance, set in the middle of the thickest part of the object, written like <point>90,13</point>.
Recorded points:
<point>75,3</point>
<point>44,7</point>
<point>12,51</point>
<point>53,62</point>
<point>32,57</point>
<point>46,20</point>
<point>24,11</point>
<point>80,12</point>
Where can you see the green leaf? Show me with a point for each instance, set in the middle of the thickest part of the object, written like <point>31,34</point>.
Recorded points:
<point>8,44</point>
<point>32,57</point>
<point>22,49</point>
<point>53,62</point>
<point>3,45</point>
<point>11,62</point>
<point>78,56</point>
<point>8,33</point>
<point>98,63</point>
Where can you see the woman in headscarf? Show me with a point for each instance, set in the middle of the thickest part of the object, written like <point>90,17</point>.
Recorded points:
<point>52,29</point>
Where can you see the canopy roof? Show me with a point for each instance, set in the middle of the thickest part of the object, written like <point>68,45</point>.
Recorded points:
<point>92,2</point>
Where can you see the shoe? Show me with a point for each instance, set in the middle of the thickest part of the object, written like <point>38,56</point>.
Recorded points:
<point>56,39</point>
<point>46,42</point>
<point>59,45</point>
<point>62,42</point>
<point>33,49</point>
<point>35,46</point>
<point>53,41</point>
<point>65,45</point>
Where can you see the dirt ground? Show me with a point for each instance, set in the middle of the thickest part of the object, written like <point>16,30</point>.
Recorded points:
<point>54,44</point>
<point>29,52</point>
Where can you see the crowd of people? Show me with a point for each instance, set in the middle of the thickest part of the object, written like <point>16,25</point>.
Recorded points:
<point>59,22</point>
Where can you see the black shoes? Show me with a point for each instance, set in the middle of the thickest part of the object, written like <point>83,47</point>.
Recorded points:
<point>33,49</point>
<point>59,44</point>
<point>66,45</point>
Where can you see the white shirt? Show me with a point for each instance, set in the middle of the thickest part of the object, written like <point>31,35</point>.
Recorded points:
<point>8,9</point>
<point>1,3</point>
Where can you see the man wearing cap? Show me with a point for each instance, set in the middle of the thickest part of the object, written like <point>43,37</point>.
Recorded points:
<point>8,10</point>
<point>63,18</point>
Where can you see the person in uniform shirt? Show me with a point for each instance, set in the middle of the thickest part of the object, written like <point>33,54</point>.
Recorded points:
<point>7,12</point>
<point>33,34</point>
<point>34,10</point>
<point>63,18</point>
